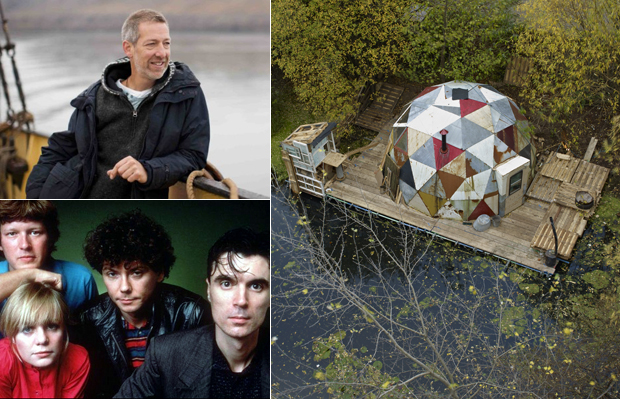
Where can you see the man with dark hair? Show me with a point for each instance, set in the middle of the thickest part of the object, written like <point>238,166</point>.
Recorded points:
<point>231,358</point>
<point>134,254</point>
<point>28,235</point>
<point>135,132</point>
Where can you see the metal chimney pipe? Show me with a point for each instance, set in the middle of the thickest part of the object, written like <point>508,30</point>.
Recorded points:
<point>444,145</point>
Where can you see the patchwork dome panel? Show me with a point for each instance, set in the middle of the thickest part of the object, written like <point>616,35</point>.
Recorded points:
<point>453,173</point>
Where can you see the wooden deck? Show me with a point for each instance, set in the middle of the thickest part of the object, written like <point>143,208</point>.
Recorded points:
<point>556,185</point>
<point>375,116</point>
<point>522,236</point>
<point>510,241</point>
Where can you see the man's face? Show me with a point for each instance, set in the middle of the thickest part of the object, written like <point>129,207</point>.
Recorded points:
<point>40,346</point>
<point>131,286</point>
<point>239,301</point>
<point>24,244</point>
<point>151,53</point>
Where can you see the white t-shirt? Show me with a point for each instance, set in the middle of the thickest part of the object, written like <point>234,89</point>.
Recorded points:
<point>134,96</point>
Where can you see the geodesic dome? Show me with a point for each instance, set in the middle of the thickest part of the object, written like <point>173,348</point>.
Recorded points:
<point>482,129</point>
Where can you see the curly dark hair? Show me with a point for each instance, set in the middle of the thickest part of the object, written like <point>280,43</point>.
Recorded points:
<point>240,241</point>
<point>129,237</point>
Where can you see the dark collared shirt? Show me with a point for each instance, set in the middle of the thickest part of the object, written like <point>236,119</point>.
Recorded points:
<point>227,384</point>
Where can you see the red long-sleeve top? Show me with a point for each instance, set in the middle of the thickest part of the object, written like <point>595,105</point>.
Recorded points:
<point>65,380</point>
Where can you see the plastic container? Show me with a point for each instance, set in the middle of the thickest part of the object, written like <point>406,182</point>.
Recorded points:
<point>482,223</point>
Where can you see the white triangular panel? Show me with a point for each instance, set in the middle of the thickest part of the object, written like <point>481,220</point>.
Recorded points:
<point>427,99</point>
<point>500,122</point>
<point>483,150</point>
<point>503,107</point>
<point>480,181</point>
<point>490,95</point>
<point>475,94</point>
<point>433,120</point>
<point>455,134</point>
<point>466,192</point>
<point>458,84</point>
<point>421,173</point>
<point>415,140</point>
<point>493,203</point>
<point>482,117</point>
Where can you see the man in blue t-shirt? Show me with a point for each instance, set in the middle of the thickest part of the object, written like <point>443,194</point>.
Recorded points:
<point>28,236</point>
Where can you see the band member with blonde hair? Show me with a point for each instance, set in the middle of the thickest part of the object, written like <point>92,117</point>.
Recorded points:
<point>36,356</point>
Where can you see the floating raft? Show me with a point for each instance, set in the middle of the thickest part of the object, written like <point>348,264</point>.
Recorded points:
<point>522,236</point>
<point>557,185</point>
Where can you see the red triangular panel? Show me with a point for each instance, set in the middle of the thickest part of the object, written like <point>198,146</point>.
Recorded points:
<point>469,106</point>
<point>426,91</point>
<point>508,137</point>
<point>481,209</point>
<point>443,159</point>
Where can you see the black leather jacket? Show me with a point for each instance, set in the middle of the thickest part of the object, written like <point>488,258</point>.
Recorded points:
<point>100,331</point>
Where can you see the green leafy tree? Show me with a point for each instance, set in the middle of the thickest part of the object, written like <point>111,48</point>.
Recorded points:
<point>611,145</point>
<point>330,48</point>
<point>460,40</point>
<point>575,57</point>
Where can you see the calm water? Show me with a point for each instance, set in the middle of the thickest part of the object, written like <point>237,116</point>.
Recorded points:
<point>233,70</point>
<point>301,313</point>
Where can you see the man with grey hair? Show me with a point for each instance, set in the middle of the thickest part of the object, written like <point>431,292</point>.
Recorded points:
<point>133,133</point>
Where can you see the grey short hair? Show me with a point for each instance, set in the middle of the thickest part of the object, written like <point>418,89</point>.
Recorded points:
<point>130,27</point>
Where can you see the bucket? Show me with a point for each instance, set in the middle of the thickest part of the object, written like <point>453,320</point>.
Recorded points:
<point>496,220</point>
<point>482,223</point>
<point>550,259</point>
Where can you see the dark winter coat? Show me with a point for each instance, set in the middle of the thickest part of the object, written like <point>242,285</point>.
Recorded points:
<point>179,366</point>
<point>176,143</point>
<point>100,331</point>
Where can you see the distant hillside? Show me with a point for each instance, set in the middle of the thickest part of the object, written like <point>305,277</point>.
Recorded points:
<point>230,15</point>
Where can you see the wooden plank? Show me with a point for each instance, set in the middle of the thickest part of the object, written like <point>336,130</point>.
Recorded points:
<point>590,177</point>
<point>519,227</point>
<point>565,195</point>
<point>545,240</point>
<point>384,205</point>
<point>563,217</point>
<point>534,207</point>
<point>569,226</point>
<point>484,239</point>
<point>582,227</point>
<point>590,151</point>
<point>355,177</point>
<point>560,169</point>
<point>379,112</point>
<point>487,242</point>
<point>516,71</point>
<point>543,188</point>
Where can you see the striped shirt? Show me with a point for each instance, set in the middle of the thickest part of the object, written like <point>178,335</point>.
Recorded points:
<point>135,342</point>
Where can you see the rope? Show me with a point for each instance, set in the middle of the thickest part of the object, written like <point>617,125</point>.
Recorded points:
<point>211,173</point>
<point>5,88</point>
<point>10,50</point>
